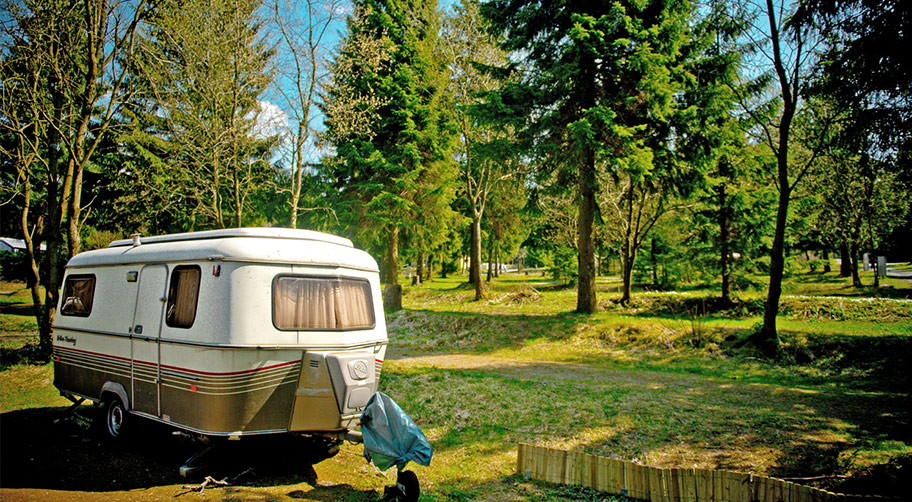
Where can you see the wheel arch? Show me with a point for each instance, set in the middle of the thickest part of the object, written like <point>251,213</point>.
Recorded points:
<point>114,389</point>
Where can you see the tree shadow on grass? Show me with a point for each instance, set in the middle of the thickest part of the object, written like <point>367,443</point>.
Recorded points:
<point>43,450</point>
<point>27,353</point>
<point>18,309</point>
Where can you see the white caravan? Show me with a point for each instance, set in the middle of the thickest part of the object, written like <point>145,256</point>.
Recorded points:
<point>223,333</point>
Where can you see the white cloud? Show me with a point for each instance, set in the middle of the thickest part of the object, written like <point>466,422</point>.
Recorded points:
<point>270,120</point>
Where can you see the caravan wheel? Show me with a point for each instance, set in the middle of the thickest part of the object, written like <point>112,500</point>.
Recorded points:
<point>115,417</point>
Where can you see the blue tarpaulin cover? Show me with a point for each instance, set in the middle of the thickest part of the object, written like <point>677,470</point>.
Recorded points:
<point>390,436</point>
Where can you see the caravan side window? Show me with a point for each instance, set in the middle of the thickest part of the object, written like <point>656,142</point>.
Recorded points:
<point>78,295</point>
<point>183,294</point>
<point>321,303</point>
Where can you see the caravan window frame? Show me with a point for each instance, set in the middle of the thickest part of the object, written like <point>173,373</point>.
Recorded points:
<point>369,299</point>
<point>173,286</point>
<point>91,295</point>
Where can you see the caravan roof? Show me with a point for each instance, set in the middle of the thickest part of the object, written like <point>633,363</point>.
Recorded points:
<point>256,245</point>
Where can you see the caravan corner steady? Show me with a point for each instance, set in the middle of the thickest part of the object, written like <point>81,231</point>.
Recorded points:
<point>223,333</point>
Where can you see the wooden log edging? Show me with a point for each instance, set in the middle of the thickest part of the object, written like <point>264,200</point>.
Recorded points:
<point>641,482</point>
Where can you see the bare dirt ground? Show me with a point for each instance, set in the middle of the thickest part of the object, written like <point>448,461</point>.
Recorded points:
<point>65,460</point>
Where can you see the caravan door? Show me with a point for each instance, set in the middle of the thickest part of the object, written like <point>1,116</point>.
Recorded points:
<point>145,338</point>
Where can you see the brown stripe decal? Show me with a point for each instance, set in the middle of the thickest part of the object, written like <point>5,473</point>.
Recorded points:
<point>205,382</point>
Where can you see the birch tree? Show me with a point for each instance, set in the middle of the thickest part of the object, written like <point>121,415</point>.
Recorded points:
<point>304,30</point>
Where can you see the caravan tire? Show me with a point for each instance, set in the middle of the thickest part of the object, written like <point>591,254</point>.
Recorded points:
<point>115,418</point>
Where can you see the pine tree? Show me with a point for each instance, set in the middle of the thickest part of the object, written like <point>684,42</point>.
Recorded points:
<point>715,141</point>
<point>602,82</point>
<point>383,120</point>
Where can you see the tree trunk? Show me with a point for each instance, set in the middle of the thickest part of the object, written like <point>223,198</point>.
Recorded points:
<point>74,240</point>
<point>392,298</point>
<point>856,279</point>
<point>826,261</point>
<point>490,257</point>
<point>627,261</point>
<point>429,267</point>
<point>419,269</point>
<point>474,244</point>
<point>34,280</point>
<point>655,266</point>
<point>845,265</point>
<point>475,259</point>
<point>627,252</point>
<point>297,177</point>
<point>586,301</point>
<point>723,245</point>
<point>57,199</point>
<point>768,337</point>
<point>876,273</point>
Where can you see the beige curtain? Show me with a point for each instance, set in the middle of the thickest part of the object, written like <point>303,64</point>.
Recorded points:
<point>314,303</point>
<point>353,309</point>
<point>78,296</point>
<point>182,311</point>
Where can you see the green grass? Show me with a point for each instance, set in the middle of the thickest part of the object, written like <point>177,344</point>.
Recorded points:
<point>16,315</point>
<point>665,380</point>
<point>683,391</point>
<point>27,386</point>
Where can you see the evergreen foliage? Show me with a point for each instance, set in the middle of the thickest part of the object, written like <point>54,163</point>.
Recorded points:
<point>603,82</point>
<point>392,144</point>
<point>202,67</point>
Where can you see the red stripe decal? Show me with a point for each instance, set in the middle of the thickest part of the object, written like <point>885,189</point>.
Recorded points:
<point>228,373</point>
<point>59,349</point>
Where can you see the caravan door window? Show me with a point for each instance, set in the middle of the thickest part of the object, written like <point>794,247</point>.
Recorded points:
<point>183,293</point>
<point>78,295</point>
<point>318,303</point>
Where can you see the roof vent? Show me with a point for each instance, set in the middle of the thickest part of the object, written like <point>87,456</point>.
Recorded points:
<point>136,240</point>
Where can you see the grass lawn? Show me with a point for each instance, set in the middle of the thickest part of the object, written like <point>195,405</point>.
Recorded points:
<point>16,315</point>
<point>665,381</point>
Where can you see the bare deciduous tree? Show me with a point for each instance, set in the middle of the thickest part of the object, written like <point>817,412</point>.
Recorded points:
<point>304,34</point>
<point>783,59</point>
<point>467,46</point>
<point>63,84</point>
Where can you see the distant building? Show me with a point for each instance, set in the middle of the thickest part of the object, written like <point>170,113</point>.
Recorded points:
<point>14,245</point>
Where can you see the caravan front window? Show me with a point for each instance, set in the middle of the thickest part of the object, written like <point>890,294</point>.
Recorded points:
<point>183,294</point>
<point>318,303</point>
<point>78,295</point>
